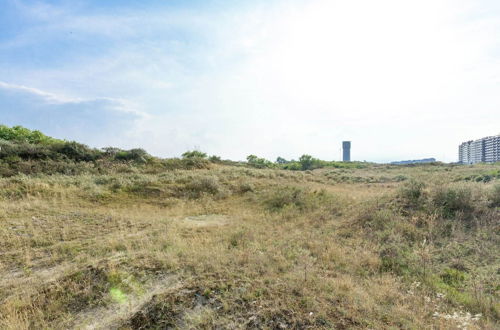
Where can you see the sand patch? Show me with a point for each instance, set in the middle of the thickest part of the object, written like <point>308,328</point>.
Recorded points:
<point>206,220</point>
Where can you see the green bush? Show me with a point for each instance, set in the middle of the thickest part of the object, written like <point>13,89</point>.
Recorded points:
<point>194,154</point>
<point>281,160</point>
<point>453,277</point>
<point>257,162</point>
<point>411,194</point>
<point>77,151</point>
<point>486,177</point>
<point>26,151</point>
<point>215,159</point>
<point>292,166</point>
<point>135,155</point>
<point>453,200</point>
<point>307,162</point>
<point>55,151</point>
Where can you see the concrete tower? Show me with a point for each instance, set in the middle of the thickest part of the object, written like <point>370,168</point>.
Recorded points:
<point>346,151</point>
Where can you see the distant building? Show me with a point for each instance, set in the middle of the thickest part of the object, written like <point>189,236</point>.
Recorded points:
<point>464,151</point>
<point>485,150</point>
<point>346,151</point>
<point>416,161</point>
<point>492,149</point>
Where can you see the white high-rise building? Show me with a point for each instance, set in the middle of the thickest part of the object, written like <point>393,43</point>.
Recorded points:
<point>464,152</point>
<point>483,150</point>
<point>492,149</point>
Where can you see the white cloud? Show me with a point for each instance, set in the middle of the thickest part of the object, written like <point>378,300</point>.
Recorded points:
<point>48,97</point>
<point>121,105</point>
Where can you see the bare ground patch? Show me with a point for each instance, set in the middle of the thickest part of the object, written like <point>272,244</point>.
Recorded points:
<point>206,220</point>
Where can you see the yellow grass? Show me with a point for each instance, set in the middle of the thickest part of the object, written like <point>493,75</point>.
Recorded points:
<point>234,247</point>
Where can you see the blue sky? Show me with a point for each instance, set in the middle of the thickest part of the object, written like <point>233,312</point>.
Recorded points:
<point>401,79</point>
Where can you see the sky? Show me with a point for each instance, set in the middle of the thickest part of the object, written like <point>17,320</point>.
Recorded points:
<point>401,79</point>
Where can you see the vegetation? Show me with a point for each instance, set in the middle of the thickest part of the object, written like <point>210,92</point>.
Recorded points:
<point>137,243</point>
<point>194,154</point>
<point>24,135</point>
<point>23,151</point>
<point>305,163</point>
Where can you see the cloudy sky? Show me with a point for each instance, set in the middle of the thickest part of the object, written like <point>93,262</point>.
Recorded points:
<point>402,79</point>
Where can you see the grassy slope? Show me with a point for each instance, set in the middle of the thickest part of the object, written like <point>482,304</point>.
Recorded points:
<point>235,247</point>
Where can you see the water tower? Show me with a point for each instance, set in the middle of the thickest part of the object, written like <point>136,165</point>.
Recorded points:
<point>346,151</point>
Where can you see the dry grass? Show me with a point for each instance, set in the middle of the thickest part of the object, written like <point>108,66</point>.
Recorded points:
<point>233,247</point>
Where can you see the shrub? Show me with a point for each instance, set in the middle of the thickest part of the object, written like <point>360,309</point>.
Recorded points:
<point>257,162</point>
<point>281,160</point>
<point>400,178</point>
<point>199,186</point>
<point>411,194</point>
<point>136,155</point>
<point>453,277</point>
<point>285,197</point>
<point>453,200</point>
<point>307,162</point>
<point>185,163</point>
<point>245,187</point>
<point>395,259</point>
<point>25,150</point>
<point>292,166</point>
<point>215,159</point>
<point>295,197</point>
<point>494,196</point>
<point>195,163</point>
<point>378,219</point>
<point>77,151</point>
<point>194,154</point>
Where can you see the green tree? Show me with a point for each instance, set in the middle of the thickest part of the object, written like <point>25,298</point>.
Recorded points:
<point>306,162</point>
<point>281,160</point>
<point>22,134</point>
<point>252,158</point>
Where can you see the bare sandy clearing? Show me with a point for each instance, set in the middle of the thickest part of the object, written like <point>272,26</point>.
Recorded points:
<point>206,220</point>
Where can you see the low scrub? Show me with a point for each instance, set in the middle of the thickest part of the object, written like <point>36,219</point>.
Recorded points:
<point>451,201</point>
<point>412,194</point>
<point>198,187</point>
<point>185,163</point>
<point>297,198</point>
<point>195,243</point>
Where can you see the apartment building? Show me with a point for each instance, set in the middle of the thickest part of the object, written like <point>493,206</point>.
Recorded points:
<point>492,149</point>
<point>478,151</point>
